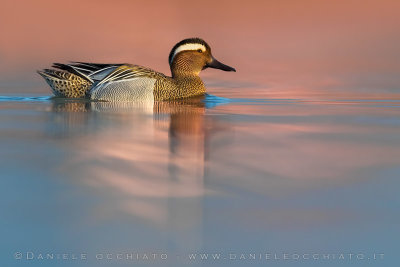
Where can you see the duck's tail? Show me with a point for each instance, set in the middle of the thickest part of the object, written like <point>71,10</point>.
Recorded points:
<point>66,84</point>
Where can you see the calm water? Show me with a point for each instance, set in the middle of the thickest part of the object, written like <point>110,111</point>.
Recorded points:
<point>228,175</point>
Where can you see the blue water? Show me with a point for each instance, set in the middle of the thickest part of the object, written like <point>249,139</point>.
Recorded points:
<point>234,177</point>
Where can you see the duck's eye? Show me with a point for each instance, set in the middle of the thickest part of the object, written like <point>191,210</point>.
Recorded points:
<point>199,50</point>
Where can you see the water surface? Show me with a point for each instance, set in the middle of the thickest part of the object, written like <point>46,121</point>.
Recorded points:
<point>228,175</point>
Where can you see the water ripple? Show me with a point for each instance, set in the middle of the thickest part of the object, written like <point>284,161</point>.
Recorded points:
<point>213,101</point>
<point>25,99</point>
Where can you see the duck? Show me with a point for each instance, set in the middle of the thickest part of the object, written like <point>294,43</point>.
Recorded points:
<point>127,82</point>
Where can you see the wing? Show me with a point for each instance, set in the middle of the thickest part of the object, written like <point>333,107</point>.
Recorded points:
<point>90,71</point>
<point>103,73</point>
<point>127,72</point>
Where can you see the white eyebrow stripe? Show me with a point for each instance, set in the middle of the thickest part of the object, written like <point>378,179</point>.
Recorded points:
<point>189,46</point>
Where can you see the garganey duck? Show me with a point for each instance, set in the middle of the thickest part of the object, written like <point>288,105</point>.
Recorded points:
<point>126,82</point>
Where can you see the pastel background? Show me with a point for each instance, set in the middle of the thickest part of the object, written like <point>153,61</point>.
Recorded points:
<point>280,48</point>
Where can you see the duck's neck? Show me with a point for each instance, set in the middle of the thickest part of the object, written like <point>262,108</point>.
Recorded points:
<point>185,72</point>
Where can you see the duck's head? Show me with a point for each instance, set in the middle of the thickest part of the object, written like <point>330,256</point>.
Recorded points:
<point>190,56</point>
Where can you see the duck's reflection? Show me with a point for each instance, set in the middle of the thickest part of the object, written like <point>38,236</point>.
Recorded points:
<point>145,160</point>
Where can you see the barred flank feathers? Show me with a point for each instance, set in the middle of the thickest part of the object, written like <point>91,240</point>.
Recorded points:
<point>65,84</point>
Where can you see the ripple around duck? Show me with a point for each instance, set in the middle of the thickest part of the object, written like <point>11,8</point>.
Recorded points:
<point>25,99</point>
<point>212,101</point>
